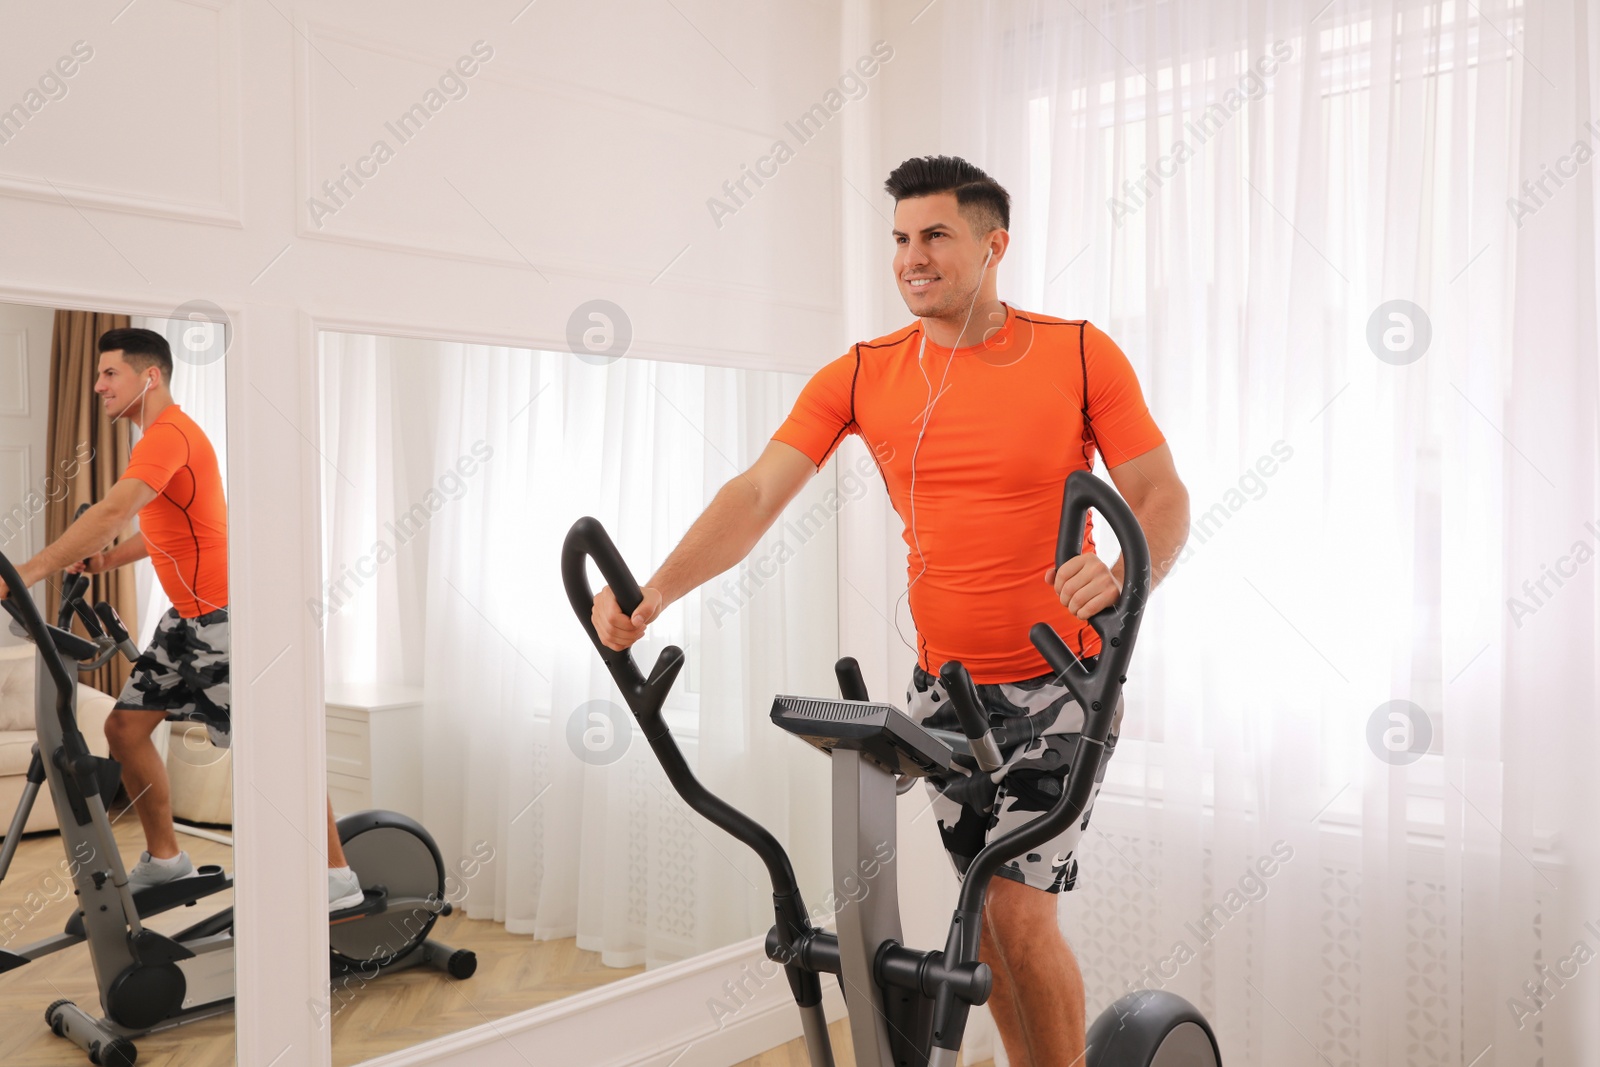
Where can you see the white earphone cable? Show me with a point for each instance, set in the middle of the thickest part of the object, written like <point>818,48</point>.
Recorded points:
<point>927,415</point>
<point>169,557</point>
<point>136,400</point>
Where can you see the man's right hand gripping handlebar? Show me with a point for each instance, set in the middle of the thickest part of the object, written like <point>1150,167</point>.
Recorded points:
<point>618,628</point>
<point>588,540</point>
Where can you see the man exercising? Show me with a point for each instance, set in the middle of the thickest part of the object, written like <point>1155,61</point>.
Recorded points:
<point>173,484</point>
<point>976,414</point>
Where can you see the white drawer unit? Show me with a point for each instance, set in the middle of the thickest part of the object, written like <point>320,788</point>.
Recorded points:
<point>375,748</point>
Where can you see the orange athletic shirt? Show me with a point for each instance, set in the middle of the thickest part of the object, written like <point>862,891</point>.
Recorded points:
<point>186,525</point>
<point>1001,438</point>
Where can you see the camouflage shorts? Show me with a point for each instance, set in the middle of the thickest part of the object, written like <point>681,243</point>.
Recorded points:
<point>184,672</point>
<point>1031,782</point>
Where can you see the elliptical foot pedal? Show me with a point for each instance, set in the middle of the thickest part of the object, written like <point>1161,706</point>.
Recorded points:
<point>374,901</point>
<point>153,900</point>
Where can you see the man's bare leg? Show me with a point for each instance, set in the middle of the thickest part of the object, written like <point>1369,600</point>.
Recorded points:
<point>1038,997</point>
<point>335,849</point>
<point>145,776</point>
<point>1002,998</point>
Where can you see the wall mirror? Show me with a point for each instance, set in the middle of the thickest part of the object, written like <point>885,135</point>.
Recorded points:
<point>103,413</point>
<point>462,693</point>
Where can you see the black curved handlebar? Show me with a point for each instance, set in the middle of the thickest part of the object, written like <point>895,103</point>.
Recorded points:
<point>72,589</point>
<point>111,622</point>
<point>973,719</point>
<point>588,540</point>
<point>1118,625</point>
<point>25,610</point>
<point>20,603</point>
<point>73,586</point>
<point>1096,690</point>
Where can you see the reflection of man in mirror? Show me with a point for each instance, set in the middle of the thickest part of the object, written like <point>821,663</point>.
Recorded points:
<point>975,415</point>
<point>172,483</point>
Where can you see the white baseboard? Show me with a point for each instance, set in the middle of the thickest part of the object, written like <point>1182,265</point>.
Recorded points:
<point>660,1018</point>
<point>664,1018</point>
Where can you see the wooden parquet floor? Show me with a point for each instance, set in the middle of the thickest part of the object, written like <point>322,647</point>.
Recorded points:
<point>368,1019</point>
<point>27,991</point>
<point>794,1053</point>
<point>514,974</point>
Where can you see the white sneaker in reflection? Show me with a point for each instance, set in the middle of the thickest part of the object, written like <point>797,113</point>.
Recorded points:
<point>344,889</point>
<point>148,872</point>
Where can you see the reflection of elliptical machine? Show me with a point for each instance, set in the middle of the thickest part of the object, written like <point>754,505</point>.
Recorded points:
<point>149,981</point>
<point>908,1007</point>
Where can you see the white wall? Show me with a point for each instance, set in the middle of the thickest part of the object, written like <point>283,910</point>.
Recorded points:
<point>25,481</point>
<point>176,161</point>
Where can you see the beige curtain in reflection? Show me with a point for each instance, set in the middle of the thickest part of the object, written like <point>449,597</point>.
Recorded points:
<point>86,453</point>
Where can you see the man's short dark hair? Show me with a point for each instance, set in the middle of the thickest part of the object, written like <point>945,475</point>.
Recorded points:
<point>142,349</point>
<point>981,199</point>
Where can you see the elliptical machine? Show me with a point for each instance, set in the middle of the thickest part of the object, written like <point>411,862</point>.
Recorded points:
<point>149,981</point>
<point>908,1007</point>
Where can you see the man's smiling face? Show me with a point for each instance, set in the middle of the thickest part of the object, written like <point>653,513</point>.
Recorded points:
<point>938,260</point>
<point>119,385</point>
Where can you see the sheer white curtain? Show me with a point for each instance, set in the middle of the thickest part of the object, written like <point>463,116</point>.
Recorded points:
<point>377,449</point>
<point>1234,191</point>
<point>521,757</point>
<point>200,389</point>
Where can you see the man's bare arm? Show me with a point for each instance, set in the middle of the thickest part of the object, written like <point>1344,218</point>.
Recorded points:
<point>724,534</point>
<point>1158,499</point>
<point>734,521</point>
<point>96,529</point>
<point>1160,503</point>
<point>129,550</point>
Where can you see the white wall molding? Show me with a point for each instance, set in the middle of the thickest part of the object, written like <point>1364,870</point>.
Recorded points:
<point>625,117</point>
<point>224,210</point>
<point>109,301</point>
<point>522,79</point>
<point>14,373</point>
<point>70,195</point>
<point>654,1019</point>
<point>576,270</point>
<point>16,463</point>
<point>707,355</point>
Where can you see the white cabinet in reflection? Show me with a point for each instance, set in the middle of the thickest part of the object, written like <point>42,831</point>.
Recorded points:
<point>375,748</point>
